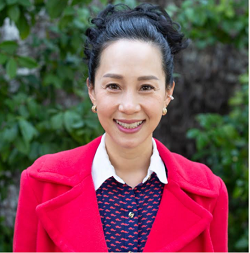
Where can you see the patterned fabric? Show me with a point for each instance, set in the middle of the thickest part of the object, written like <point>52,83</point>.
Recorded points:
<point>128,214</point>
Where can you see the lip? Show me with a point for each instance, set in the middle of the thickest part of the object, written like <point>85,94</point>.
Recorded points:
<point>129,121</point>
<point>129,130</point>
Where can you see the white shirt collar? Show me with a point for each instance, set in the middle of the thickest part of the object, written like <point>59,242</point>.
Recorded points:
<point>102,168</point>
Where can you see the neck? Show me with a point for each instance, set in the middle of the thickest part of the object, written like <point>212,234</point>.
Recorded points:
<point>131,164</point>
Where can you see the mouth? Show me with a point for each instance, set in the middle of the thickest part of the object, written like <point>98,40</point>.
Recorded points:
<point>128,124</point>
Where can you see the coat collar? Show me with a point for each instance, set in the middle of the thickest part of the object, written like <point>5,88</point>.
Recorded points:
<point>81,228</point>
<point>102,168</point>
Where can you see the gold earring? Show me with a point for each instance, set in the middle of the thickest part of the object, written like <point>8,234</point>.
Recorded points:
<point>94,109</point>
<point>164,111</point>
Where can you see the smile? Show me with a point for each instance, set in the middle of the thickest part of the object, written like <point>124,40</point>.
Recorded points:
<point>129,125</point>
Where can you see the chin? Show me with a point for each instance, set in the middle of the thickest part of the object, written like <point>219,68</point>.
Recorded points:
<point>128,144</point>
<point>129,141</point>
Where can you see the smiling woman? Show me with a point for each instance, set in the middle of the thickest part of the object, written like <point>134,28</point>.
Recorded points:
<point>124,191</point>
<point>130,104</point>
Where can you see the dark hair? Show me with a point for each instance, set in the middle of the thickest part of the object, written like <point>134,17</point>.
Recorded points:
<point>146,22</point>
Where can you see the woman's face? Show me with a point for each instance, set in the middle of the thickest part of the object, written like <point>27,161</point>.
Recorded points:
<point>130,92</point>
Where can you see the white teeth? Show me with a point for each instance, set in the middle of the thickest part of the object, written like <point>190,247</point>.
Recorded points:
<point>133,125</point>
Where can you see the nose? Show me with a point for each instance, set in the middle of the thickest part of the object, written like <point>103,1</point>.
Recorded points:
<point>129,103</point>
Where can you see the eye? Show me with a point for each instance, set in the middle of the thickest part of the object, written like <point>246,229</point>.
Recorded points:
<point>113,86</point>
<point>147,87</point>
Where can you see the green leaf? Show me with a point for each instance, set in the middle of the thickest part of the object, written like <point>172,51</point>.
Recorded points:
<point>64,21</point>
<point>51,79</point>
<point>11,68</point>
<point>55,7</point>
<point>9,46</point>
<point>27,62</point>
<point>76,42</point>
<point>22,146</point>
<point>242,244</point>
<point>25,3</point>
<point>37,2</point>
<point>57,121</point>
<point>74,2</point>
<point>2,5</point>
<point>27,130</point>
<point>171,9</point>
<point>2,142</point>
<point>45,148</point>
<point>69,11</point>
<point>193,133</point>
<point>14,12</point>
<point>92,123</point>
<point>23,111</point>
<point>187,3</point>
<point>23,27</point>
<point>9,2</point>
<point>13,156</point>
<point>5,154</point>
<point>3,58</point>
<point>209,120</point>
<point>10,134</point>
<point>78,124</point>
<point>244,78</point>
<point>34,150</point>
<point>201,141</point>
<point>86,2</point>
<point>70,119</point>
<point>229,131</point>
<point>190,13</point>
<point>33,108</point>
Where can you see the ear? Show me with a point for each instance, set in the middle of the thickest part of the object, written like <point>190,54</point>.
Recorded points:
<point>169,91</point>
<point>91,91</point>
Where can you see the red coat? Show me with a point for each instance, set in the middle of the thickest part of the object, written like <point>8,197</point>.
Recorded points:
<point>58,210</point>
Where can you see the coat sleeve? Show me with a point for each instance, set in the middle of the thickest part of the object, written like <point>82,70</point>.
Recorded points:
<point>219,225</point>
<point>26,218</point>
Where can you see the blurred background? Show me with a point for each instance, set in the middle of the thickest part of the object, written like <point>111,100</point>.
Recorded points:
<point>44,107</point>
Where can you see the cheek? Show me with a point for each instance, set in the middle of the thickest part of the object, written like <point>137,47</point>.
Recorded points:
<point>106,105</point>
<point>154,105</point>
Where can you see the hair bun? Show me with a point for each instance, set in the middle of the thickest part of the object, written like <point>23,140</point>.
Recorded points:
<point>164,24</point>
<point>146,22</point>
<point>101,19</point>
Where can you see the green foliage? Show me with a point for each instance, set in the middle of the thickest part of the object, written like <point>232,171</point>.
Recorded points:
<point>208,22</point>
<point>35,117</point>
<point>6,237</point>
<point>222,143</point>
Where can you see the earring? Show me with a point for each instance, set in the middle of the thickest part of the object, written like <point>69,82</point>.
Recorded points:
<point>94,109</point>
<point>164,111</point>
<point>171,97</point>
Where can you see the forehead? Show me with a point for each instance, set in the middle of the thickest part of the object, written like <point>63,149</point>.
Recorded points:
<point>131,57</point>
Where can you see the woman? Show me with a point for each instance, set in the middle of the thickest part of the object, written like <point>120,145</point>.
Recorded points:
<point>124,191</point>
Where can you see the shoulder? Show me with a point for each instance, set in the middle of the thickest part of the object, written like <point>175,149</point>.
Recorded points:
<point>191,176</point>
<point>198,175</point>
<point>67,167</point>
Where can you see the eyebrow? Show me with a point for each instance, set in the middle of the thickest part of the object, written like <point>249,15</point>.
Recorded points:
<point>141,78</point>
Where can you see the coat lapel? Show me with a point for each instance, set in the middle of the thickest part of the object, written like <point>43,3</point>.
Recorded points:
<point>179,220</point>
<point>72,220</point>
